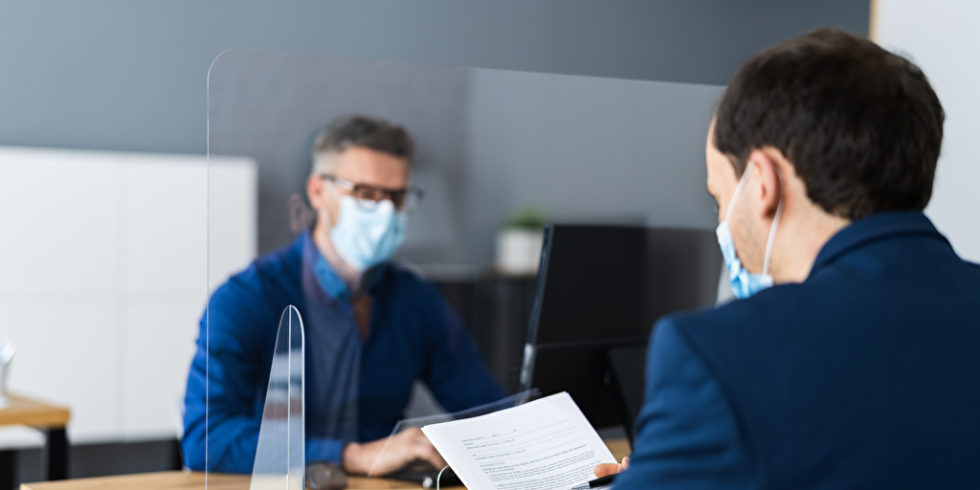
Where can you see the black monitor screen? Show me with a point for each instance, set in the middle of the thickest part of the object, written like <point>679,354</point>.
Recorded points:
<point>601,287</point>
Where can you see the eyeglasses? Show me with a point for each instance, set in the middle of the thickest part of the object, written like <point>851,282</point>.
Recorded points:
<point>369,196</point>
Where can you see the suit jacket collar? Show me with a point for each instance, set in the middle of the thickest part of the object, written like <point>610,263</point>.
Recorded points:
<point>871,229</point>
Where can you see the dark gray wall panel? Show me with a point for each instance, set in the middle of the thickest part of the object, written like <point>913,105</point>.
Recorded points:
<point>129,74</point>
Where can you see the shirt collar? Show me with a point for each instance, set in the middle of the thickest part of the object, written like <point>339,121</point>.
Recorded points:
<point>872,228</point>
<point>329,281</point>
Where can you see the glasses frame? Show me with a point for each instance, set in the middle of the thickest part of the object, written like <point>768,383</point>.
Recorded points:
<point>405,199</point>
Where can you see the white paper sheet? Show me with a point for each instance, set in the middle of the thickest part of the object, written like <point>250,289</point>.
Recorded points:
<point>542,445</point>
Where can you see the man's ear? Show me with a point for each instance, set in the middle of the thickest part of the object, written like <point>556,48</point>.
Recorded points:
<point>315,192</point>
<point>769,188</point>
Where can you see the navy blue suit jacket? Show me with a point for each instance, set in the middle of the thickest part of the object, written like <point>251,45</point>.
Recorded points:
<point>865,375</point>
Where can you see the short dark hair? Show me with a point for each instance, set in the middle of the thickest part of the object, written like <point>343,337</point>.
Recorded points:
<point>862,126</point>
<point>365,132</point>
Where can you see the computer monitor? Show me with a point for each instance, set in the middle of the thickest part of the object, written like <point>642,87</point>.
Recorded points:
<point>600,289</point>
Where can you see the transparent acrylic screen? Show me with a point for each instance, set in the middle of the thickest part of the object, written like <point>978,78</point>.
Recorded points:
<point>495,151</point>
<point>280,452</point>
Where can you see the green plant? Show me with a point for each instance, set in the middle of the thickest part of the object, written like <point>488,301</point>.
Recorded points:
<point>528,219</point>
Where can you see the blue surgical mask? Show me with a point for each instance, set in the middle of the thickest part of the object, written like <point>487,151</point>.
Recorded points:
<point>743,282</point>
<point>367,236</point>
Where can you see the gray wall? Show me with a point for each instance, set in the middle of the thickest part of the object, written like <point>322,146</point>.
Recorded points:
<point>269,106</point>
<point>490,141</point>
<point>584,149</point>
<point>129,74</point>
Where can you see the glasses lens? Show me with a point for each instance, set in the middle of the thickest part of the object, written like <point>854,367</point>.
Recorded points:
<point>369,197</point>
<point>368,193</point>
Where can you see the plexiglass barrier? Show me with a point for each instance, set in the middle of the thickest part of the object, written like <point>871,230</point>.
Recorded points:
<point>386,203</point>
<point>280,457</point>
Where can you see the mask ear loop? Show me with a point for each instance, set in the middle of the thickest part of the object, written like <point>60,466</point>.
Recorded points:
<point>772,236</point>
<point>738,190</point>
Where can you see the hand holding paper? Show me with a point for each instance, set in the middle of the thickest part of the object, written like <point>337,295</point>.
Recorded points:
<point>542,445</point>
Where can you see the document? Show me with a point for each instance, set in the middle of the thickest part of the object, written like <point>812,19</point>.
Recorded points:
<point>541,445</point>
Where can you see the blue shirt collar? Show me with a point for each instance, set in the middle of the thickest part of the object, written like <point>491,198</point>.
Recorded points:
<point>329,281</point>
<point>872,228</point>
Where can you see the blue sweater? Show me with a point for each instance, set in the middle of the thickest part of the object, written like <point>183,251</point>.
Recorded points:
<point>413,335</point>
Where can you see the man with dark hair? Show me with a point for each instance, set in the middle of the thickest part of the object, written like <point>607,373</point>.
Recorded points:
<point>372,329</point>
<point>852,357</point>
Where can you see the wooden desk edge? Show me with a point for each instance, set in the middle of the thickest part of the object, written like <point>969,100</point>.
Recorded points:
<point>24,410</point>
<point>173,480</point>
<point>224,481</point>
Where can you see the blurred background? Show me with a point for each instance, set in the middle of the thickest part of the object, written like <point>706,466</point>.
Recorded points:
<point>576,111</point>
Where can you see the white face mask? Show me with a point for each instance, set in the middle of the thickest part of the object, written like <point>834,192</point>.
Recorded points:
<point>365,237</point>
<point>743,282</point>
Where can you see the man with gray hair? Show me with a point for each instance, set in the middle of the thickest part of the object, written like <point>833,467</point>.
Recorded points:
<point>372,328</point>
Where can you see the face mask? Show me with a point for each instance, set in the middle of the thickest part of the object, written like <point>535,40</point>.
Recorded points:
<point>367,237</point>
<point>743,282</point>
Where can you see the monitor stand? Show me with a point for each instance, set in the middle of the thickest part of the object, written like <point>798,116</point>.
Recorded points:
<point>627,365</point>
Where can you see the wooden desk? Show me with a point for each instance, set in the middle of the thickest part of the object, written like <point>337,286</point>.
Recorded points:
<point>182,480</point>
<point>51,419</point>
<point>27,411</point>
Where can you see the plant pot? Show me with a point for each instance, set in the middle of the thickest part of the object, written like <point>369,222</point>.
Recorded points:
<point>519,251</point>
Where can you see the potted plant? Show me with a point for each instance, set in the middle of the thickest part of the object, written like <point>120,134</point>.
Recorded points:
<point>519,242</point>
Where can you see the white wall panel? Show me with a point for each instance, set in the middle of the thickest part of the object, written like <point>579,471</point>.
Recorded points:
<point>159,342</point>
<point>232,188</point>
<point>943,39</point>
<point>103,277</point>
<point>59,214</point>
<point>69,352</point>
<point>164,208</point>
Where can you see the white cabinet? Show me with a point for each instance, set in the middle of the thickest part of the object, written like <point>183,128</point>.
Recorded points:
<point>103,277</point>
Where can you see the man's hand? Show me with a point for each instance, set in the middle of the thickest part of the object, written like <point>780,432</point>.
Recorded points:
<point>605,469</point>
<point>408,445</point>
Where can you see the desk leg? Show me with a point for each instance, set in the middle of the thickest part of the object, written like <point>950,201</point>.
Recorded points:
<point>8,470</point>
<point>57,450</point>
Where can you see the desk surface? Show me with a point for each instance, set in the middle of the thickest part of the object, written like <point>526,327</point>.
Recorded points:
<point>27,411</point>
<point>177,480</point>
